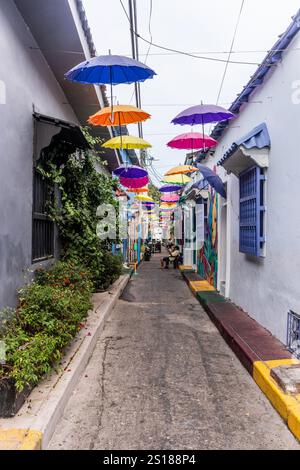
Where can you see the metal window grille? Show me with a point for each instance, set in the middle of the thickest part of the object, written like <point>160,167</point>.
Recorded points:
<point>251,211</point>
<point>293,333</point>
<point>42,227</point>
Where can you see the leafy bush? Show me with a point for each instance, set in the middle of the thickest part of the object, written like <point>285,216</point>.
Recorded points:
<point>49,315</point>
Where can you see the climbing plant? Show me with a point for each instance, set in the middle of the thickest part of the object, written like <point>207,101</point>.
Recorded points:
<point>80,190</point>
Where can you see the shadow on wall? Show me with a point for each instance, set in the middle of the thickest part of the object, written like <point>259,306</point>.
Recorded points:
<point>255,260</point>
<point>11,271</point>
<point>2,92</point>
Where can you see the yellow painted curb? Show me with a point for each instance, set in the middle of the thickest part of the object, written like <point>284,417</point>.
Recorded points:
<point>185,268</point>
<point>201,286</point>
<point>288,406</point>
<point>20,439</point>
<point>294,421</point>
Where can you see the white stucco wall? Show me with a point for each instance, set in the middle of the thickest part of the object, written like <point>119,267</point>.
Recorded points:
<point>26,83</point>
<point>268,287</point>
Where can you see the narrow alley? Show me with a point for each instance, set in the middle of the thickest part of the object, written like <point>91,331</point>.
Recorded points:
<point>162,377</point>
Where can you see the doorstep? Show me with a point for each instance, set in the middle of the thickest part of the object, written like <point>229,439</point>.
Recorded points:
<point>34,424</point>
<point>257,349</point>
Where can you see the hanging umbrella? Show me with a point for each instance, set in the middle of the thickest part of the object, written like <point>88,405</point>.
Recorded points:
<point>137,190</point>
<point>181,170</point>
<point>121,116</point>
<point>134,182</point>
<point>110,69</point>
<point>202,114</point>
<point>212,178</point>
<point>167,205</point>
<point>126,142</point>
<point>170,188</point>
<point>170,198</point>
<point>144,198</point>
<point>177,179</point>
<point>132,171</point>
<point>192,141</point>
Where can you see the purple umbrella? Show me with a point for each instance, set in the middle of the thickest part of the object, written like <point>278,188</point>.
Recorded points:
<point>213,180</point>
<point>167,188</point>
<point>132,171</point>
<point>202,114</point>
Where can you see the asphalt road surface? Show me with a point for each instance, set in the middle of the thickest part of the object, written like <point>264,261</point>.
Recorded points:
<point>162,377</point>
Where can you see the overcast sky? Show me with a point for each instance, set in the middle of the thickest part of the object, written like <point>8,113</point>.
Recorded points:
<point>195,26</point>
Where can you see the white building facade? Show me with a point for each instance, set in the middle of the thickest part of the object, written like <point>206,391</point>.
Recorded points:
<point>258,158</point>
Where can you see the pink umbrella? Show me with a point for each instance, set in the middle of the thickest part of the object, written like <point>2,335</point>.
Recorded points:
<point>170,198</point>
<point>134,182</point>
<point>192,141</point>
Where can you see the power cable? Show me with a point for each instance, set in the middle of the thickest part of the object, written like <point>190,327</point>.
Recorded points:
<point>169,49</point>
<point>150,32</point>
<point>231,47</point>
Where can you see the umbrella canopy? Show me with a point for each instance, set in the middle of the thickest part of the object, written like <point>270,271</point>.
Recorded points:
<point>170,198</point>
<point>213,180</point>
<point>132,171</point>
<point>167,205</point>
<point>134,183</point>
<point>126,142</point>
<point>181,170</point>
<point>110,69</point>
<point>192,141</point>
<point>119,115</point>
<point>137,190</point>
<point>144,198</point>
<point>169,188</point>
<point>177,179</point>
<point>202,114</point>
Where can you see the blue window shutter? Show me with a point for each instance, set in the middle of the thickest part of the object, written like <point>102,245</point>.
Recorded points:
<point>250,211</point>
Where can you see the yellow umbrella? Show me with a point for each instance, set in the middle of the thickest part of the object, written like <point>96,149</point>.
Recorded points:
<point>144,198</point>
<point>119,115</point>
<point>126,142</point>
<point>177,179</point>
<point>181,170</point>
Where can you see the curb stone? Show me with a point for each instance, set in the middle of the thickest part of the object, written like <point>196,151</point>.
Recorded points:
<point>255,347</point>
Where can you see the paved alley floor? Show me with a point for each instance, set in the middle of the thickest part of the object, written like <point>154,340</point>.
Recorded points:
<point>162,377</point>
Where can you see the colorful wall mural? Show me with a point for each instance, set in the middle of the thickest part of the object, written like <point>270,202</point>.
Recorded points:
<point>208,255</point>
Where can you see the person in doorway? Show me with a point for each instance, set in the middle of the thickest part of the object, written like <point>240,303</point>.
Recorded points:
<point>174,253</point>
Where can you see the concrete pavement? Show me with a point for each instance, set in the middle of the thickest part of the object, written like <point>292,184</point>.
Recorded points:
<point>162,377</point>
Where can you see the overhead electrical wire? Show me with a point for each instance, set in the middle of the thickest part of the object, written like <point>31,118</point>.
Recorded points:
<point>150,32</point>
<point>169,49</point>
<point>231,48</point>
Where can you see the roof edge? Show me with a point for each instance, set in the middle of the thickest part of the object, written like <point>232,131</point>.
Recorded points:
<point>271,59</point>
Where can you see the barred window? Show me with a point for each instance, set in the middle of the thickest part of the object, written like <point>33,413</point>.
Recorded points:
<point>42,227</point>
<point>252,211</point>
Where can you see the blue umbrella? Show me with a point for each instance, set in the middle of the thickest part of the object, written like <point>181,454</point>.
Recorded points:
<point>213,180</point>
<point>110,69</point>
<point>170,188</point>
<point>132,171</point>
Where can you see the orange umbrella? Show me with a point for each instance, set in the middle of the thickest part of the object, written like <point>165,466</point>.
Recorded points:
<point>138,190</point>
<point>181,170</point>
<point>119,115</point>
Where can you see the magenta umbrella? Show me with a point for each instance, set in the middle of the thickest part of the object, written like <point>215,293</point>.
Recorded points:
<point>192,141</point>
<point>134,182</point>
<point>170,198</point>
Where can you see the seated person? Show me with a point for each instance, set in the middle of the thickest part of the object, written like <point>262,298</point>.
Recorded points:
<point>174,252</point>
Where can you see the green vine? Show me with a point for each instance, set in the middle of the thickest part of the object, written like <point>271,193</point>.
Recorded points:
<point>81,190</point>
